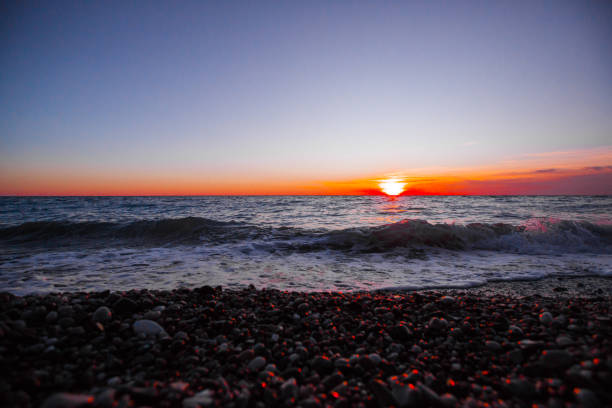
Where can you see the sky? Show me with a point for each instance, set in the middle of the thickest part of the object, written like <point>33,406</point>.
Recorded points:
<point>467,97</point>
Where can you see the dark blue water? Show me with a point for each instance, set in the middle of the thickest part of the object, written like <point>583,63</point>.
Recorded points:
<point>298,242</point>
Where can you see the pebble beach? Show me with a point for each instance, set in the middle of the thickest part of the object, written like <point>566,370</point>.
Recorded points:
<point>496,345</point>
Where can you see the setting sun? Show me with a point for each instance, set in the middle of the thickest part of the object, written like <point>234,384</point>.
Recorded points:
<point>392,186</point>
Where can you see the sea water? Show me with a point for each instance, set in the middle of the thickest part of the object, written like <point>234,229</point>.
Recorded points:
<point>306,243</point>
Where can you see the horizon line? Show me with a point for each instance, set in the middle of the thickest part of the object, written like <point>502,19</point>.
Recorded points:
<point>299,195</point>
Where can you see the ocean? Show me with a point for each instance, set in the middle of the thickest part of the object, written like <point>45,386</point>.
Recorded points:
<point>298,243</point>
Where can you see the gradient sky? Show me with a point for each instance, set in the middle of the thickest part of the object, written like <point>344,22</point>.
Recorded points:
<point>305,97</point>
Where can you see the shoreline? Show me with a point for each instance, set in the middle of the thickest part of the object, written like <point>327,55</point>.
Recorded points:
<point>555,286</point>
<point>501,342</point>
<point>592,286</point>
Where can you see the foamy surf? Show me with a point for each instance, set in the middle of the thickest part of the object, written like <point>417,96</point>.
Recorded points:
<point>533,236</point>
<point>301,243</point>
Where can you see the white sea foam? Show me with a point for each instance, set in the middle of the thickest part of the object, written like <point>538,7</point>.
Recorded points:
<point>303,243</point>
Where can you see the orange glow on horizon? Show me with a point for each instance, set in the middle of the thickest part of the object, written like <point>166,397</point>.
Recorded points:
<point>582,172</point>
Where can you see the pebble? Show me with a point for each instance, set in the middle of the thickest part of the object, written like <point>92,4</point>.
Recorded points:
<point>245,355</point>
<point>406,396</point>
<point>289,389</point>
<point>438,323</point>
<point>322,364</point>
<point>105,399</point>
<point>125,306</point>
<point>363,350</point>
<point>341,363</point>
<point>564,341</point>
<point>383,395</point>
<point>202,399</point>
<point>66,400</point>
<point>522,389</point>
<point>375,358</point>
<point>546,318</point>
<point>447,300</point>
<point>257,364</point>
<point>556,358</point>
<point>181,335</point>
<point>416,349</point>
<point>52,317</point>
<point>148,328</point>
<point>152,315</point>
<point>515,332</point>
<point>516,356</point>
<point>102,315</point>
<point>113,381</point>
<point>587,398</point>
<point>401,333</point>
<point>65,311</point>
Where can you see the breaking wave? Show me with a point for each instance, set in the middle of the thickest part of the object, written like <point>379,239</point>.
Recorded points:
<point>533,236</point>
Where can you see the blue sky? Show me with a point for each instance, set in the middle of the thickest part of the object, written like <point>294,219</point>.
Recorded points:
<point>298,90</point>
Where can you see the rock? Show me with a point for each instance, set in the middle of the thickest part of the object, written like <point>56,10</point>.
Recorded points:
<point>202,399</point>
<point>242,398</point>
<point>383,396</point>
<point>375,359</point>
<point>303,307</point>
<point>105,399</point>
<point>180,386</point>
<point>114,381</point>
<point>148,328</point>
<point>125,306</point>
<point>521,388</point>
<point>416,349</point>
<point>181,335</point>
<point>152,315</point>
<point>564,341</point>
<point>332,380</point>
<point>447,300</point>
<point>66,400</point>
<point>341,363</point>
<point>66,322</point>
<point>586,398</point>
<point>401,333</point>
<point>289,389</point>
<point>527,344</point>
<point>406,396</point>
<point>437,323</point>
<point>322,364</point>
<point>65,311</point>
<point>493,345</point>
<point>516,356</point>
<point>257,364</point>
<point>247,354</point>
<point>310,402</point>
<point>515,332</point>
<point>546,318</point>
<point>76,331</point>
<point>448,400</point>
<point>51,317</point>
<point>102,315</point>
<point>556,359</point>
<point>430,396</point>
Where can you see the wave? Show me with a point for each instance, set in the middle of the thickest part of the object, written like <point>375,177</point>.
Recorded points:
<point>533,236</point>
<point>165,231</point>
